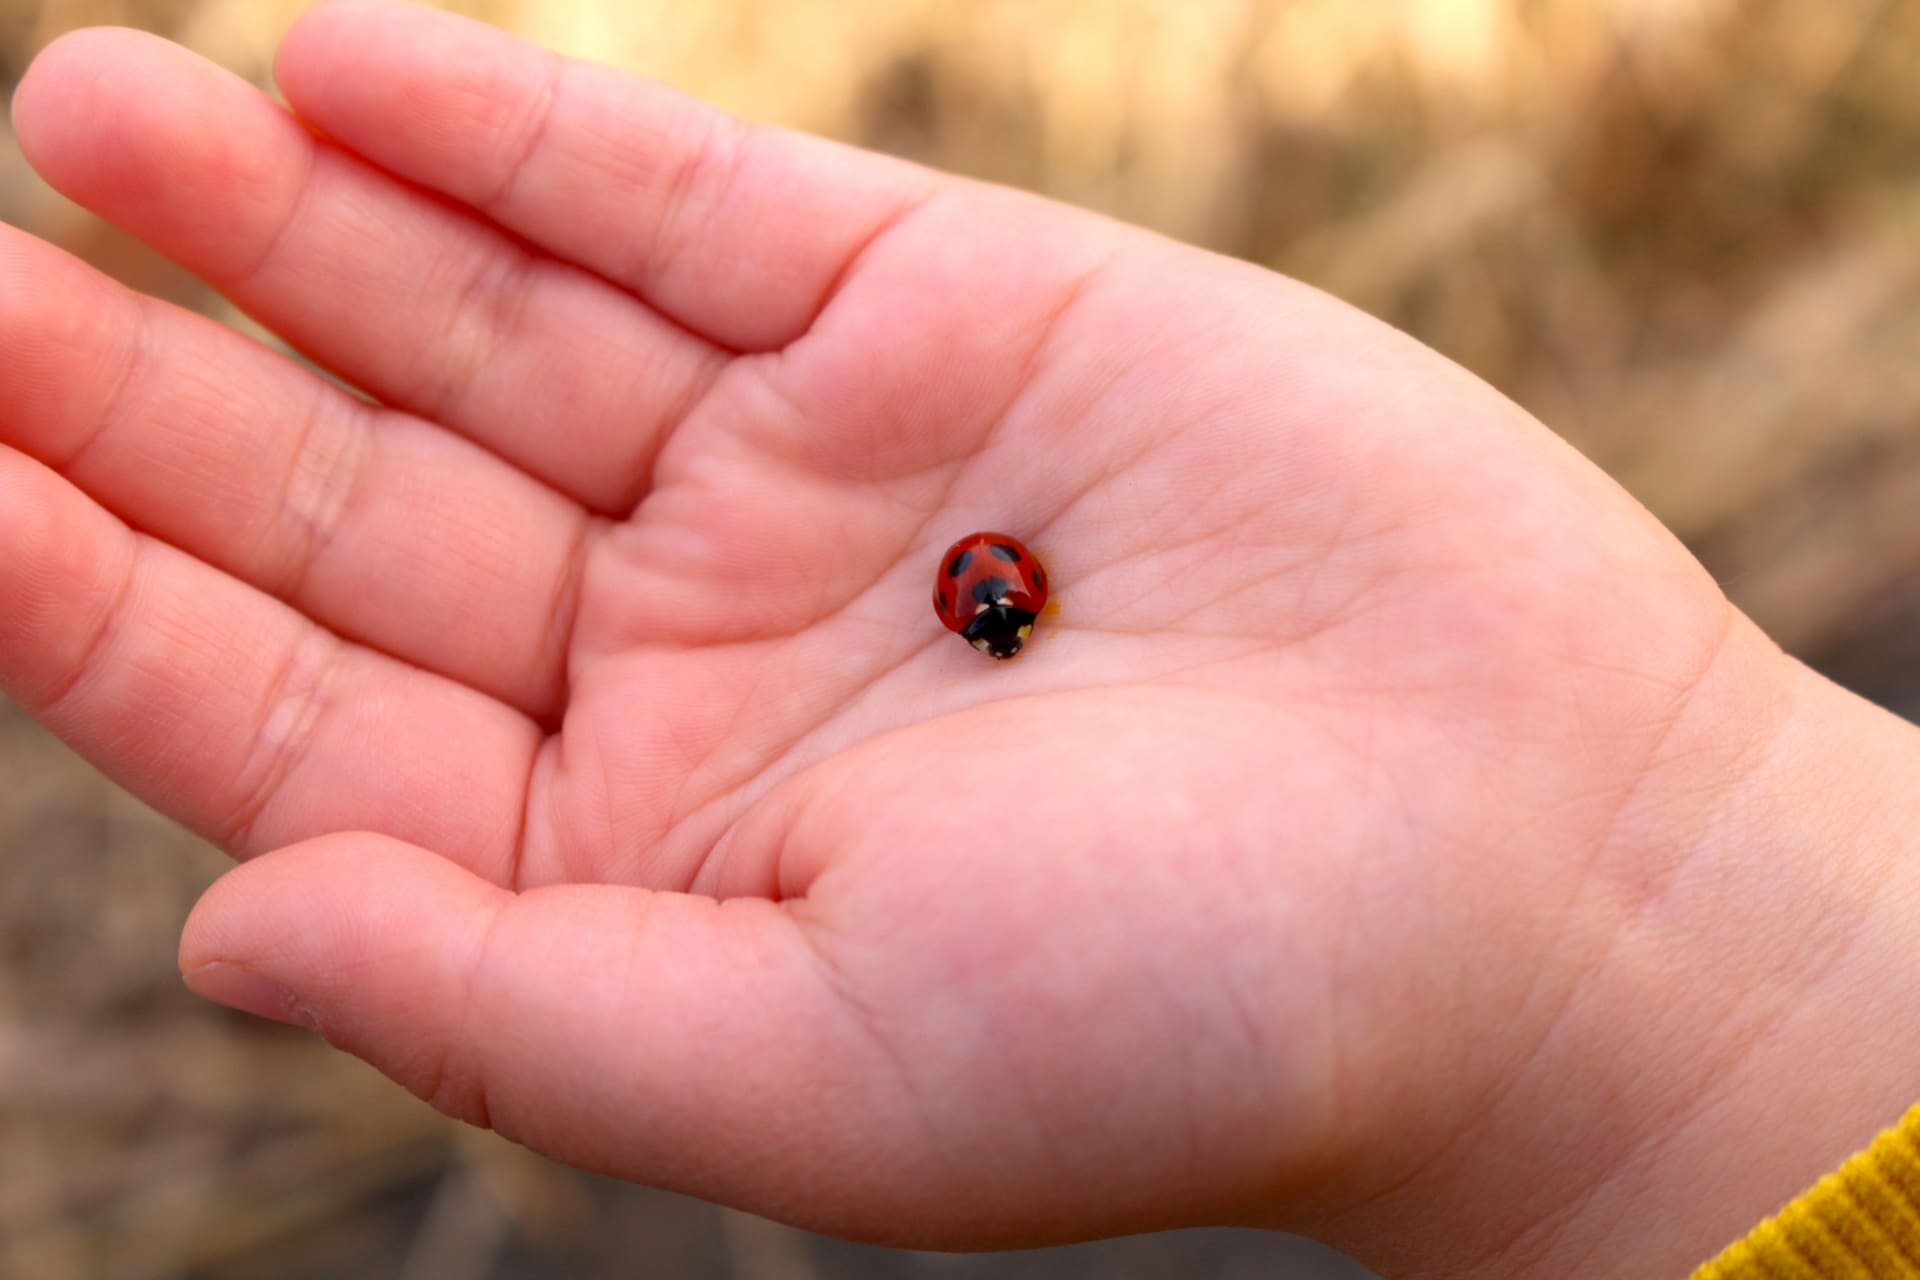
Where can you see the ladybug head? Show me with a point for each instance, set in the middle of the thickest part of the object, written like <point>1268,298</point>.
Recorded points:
<point>999,630</point>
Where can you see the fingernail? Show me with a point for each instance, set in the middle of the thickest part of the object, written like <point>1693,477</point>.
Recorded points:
<point>247,991</point>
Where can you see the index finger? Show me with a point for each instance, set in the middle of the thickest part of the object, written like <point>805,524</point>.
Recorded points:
<point>740,232</point>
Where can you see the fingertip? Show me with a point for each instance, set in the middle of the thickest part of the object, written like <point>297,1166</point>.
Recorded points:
<point>119,120</point>
<point>352,43</point>
<point>244,907</point>
<point>370,940</point>
<point>307,52</point>
<point>79,77</point>
<point>331,20</point>
<point>238,987</point>
<point>327,57</point>
<point>373,941</point>
<point>407,84</point>
<point>62,70</point>
<point>331,898</point>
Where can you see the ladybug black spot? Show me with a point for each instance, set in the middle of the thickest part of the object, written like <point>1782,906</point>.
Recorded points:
<point>960,563</point>
<point>942,598</point>
<point>987,590</point>
<point>1004,552</point>
<point>1039,576</point>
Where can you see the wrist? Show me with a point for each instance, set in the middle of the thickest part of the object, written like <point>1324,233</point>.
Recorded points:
<point>1747,1027</point>
<point>1734,1026</point>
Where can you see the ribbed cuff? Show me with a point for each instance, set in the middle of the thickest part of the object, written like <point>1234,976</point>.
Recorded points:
<point>1860,1222</point>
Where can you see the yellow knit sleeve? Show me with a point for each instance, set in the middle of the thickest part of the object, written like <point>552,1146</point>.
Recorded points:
<point>1860,1222</point>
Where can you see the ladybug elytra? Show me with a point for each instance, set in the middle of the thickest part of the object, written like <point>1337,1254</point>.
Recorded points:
<point>989,588</point>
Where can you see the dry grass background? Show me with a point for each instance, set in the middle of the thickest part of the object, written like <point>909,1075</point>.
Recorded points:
<point>1686,233</point>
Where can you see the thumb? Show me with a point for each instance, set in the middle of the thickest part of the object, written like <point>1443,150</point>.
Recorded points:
<point>680,1041</point>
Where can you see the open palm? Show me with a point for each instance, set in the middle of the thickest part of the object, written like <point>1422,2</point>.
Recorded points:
<point>744,875</point>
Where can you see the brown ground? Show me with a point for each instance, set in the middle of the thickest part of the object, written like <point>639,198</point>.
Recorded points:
<point>1684,232</point>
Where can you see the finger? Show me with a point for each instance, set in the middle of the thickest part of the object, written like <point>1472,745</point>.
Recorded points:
<point>737,231</point>
<point>424,306</point>
<point>686,1042</point>
<point>700,1045</point>
<point>226,709</point>
<point>383,529</point>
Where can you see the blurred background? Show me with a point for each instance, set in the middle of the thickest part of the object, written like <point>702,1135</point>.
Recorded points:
<point>1685,233</point>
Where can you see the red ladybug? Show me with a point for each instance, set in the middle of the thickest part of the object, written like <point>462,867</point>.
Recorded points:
<point>990,588</point>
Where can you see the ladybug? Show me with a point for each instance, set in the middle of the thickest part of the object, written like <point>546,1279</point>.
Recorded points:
<point>989,588</point>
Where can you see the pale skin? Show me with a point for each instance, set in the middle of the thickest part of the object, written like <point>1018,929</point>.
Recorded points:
<point>1396,836</point>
